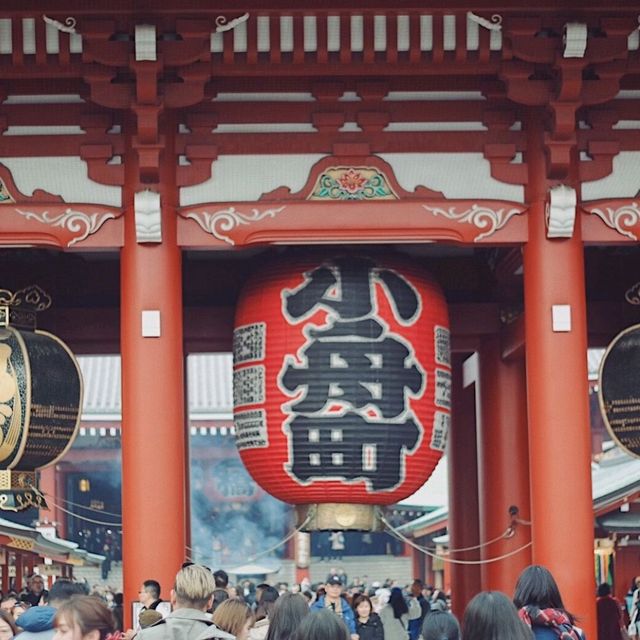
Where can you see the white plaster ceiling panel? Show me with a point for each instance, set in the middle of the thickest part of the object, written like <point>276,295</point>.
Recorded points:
<point>623,182</point>
<point>65,98</point>
<point>246,178</point>
<point>456,175</point>
<point>63,176</point>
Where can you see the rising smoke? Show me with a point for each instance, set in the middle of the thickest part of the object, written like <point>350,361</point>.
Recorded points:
<point>232,520</point>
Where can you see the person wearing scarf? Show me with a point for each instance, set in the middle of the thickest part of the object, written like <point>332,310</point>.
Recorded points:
<point>556,621</point>
<point>540,606</point>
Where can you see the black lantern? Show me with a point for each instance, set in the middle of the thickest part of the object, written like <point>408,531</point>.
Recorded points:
<point>619,389</point>
<point>40,398</point>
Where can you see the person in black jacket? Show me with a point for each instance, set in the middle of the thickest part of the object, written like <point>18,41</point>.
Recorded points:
<point>368,623</point>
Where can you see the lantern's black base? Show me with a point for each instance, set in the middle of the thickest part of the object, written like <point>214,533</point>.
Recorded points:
<point>332,516</point>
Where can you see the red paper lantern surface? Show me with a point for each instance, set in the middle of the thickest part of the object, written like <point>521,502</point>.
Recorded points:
<point>342,379</point>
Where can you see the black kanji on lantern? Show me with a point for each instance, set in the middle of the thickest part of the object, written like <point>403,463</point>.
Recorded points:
<point>351,447</point>
<point>352,418</point>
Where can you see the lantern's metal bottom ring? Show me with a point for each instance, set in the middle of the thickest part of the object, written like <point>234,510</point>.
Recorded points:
<point>335,516</point>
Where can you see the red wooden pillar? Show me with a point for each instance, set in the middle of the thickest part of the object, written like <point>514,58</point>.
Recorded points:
<point>503,465</point>
<point>557,390</point>
<point>153,412</point>
<point>463,490</point>
<point>418,564</point>
<point>302,555</point>
<point>4,554</point>
<point>61,495</point>
<point>51,483</point>
<point>19,565</point>
<point>48,486</point>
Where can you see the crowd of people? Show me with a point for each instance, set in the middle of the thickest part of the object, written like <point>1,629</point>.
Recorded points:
<point>204,606</point>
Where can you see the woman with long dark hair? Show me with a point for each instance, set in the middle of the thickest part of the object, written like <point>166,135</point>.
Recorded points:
<point>264,610</point>
<point>322,624</point>
<point>395,616</point>
<point>540,606</point>
<point>491,616</point>
<point>368,623</point>
<point>288,613</point>
<point>440,625</point>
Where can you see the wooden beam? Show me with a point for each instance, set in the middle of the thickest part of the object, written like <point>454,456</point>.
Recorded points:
<point>210,329</point>
<point>198,7</point>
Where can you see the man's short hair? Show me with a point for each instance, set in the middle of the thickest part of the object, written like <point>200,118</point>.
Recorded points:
<point>268,594</point>
<point>194,586</point>
<point>219,596</point>
<point>65,589</point>
<point>153,587</point>
<point>221,578</point>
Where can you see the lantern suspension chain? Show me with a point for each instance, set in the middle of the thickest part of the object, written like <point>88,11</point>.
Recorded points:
<point>75,515</point>
<point>429,553</point>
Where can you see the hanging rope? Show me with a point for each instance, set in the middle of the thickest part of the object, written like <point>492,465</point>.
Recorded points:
<point>75,515</point>
<point>82,506</point>
<point>424,550</point>
<point>508,533</point>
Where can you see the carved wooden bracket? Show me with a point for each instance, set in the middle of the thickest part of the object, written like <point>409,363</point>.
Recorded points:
<point>47,220</point>
<point>561,211</point>
<point>148,215</point>
<point>547,71</point>
<point>165,73</point>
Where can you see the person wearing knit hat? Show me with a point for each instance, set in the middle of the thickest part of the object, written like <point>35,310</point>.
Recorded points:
<point>148,617</point>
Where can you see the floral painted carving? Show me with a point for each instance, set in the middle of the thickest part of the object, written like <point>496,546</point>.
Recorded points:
<point>352,183</point>
<point>5,196</point>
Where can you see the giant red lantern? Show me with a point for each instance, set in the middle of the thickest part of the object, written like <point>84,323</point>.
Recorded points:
<point>342,380</point>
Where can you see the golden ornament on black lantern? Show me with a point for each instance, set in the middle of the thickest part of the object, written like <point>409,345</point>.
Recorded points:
<point>40,398</point>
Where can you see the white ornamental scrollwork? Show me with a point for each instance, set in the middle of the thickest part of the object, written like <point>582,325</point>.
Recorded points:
<point>222,24</point>
<point>632,294</point>
<point>69,25</point>
<point>480,217</point>
<point>493,24</point>
<point>626,216</point>
<point>77,222</point>
<point>227,219</point>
